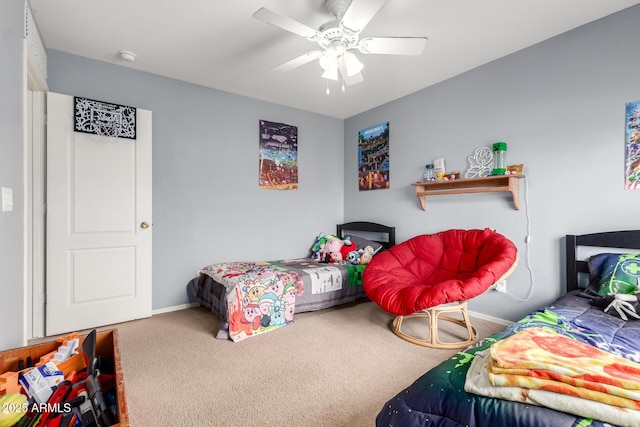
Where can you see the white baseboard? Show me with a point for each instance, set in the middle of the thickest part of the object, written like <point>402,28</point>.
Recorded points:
<point>174,308</point>
<point>471,313</point>
<point>490,318</point>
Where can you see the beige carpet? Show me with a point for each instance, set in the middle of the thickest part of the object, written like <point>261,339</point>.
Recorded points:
<point>334,367</point>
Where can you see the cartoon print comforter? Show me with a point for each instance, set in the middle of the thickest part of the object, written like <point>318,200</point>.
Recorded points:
<point>439,399</point>
<point>261,296</point>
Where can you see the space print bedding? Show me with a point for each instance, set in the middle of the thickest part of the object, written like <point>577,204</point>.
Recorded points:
<point>252,298</point>
<point>574,362</point>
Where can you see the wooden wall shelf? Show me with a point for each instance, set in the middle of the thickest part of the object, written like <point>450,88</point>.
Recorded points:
<point>487,184</point>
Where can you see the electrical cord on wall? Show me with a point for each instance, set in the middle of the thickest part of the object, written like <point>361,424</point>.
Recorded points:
<point>527,241</point>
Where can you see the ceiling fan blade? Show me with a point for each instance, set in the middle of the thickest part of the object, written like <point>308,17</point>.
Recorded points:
<point>265,15</point>
<point>393,45</point>
<point>297,62</point>
<point>359,14</point>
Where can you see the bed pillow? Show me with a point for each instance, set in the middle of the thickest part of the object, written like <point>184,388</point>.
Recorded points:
<point>612,274</point>
<point>361,242</point>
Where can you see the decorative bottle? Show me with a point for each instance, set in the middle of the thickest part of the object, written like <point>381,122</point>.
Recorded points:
<point>427,174</point>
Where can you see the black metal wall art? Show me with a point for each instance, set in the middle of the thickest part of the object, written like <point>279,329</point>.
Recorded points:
<point>103,118</point>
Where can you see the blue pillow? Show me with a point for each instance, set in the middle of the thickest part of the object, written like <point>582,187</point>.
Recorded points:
<point>612,274</point>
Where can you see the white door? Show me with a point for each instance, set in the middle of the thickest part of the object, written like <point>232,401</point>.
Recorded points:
<point>98,223</point>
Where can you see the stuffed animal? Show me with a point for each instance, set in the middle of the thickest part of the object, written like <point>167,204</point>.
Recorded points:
<point>347,247</point>
<point>331,249</point>
<point>318,244</point>
<point>318,252</point>
<point>353,257</point>
<point>366,255</point>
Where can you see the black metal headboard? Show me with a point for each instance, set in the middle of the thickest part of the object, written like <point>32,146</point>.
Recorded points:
<point>629,239</point>
<point>370,227</point>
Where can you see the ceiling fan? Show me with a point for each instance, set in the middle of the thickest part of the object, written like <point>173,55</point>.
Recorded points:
<point>338,37</point>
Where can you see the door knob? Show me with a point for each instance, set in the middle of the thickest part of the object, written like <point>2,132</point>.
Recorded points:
<point>144,225</point>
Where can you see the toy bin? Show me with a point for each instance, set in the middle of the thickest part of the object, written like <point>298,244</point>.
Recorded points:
<point>106,345</point>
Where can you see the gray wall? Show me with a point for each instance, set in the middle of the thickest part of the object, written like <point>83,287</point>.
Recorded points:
<point>11,172</point>
<point>207,207</point>
<point>560,106</point>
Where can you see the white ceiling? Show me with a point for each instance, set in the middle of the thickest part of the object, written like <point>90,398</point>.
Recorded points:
<point>218,44</point>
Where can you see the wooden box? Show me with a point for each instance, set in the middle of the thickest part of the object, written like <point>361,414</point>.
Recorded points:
<point>106,345</point>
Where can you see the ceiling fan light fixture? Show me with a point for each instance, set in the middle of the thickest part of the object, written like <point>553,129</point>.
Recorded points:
<point>352,64</point>
<point>331,74</point>
<point>329,63</point>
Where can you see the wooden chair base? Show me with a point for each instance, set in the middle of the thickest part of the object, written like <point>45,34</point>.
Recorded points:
<point>434,313</point>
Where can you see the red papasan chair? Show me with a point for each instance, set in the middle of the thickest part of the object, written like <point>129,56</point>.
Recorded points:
<point>438,273</point>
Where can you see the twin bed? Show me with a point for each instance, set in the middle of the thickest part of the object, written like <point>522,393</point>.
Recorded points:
<point>600,345</point>
<point>242,294</point>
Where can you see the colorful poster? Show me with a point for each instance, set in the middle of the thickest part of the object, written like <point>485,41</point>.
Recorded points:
<point>278,156</point>
<point>373,157</point>
<point>632,134</point>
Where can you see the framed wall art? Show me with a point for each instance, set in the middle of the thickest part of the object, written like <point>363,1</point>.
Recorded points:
<point>632,152</point>
<point>278,158</point>
<point>373,157</point>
